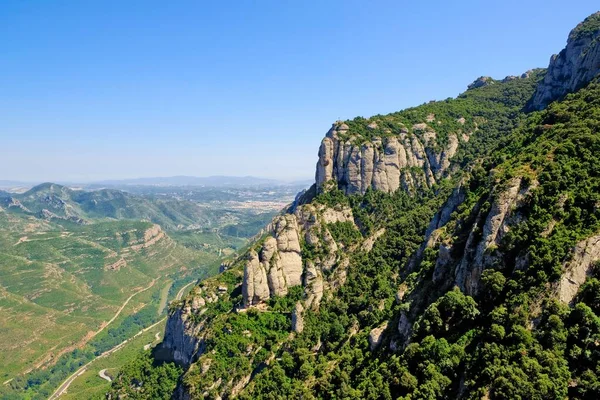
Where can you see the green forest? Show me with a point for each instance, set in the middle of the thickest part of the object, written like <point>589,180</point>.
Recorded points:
<point>473,307</point>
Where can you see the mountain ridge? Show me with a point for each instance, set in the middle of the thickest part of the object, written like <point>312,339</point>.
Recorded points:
<point>472,278</point>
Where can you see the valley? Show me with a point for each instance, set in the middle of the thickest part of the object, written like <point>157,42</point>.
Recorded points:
<point>83,272</point>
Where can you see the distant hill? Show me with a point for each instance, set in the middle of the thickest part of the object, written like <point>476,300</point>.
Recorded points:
<point>51,201</point>
<point>216,181</point>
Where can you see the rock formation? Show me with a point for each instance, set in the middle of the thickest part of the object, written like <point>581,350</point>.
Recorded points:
<point>182,342</point>
<point>278,263</point>
<point>408,160</point>
<point>376,336</point>
<point>297,318</point>
<point>575,66</point>
<point>585,256</point>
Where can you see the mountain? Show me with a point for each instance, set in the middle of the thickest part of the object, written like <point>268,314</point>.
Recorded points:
<point>5,184</point>
<point>575,66</point>
<point>51,201</point>
<point>445,251</point>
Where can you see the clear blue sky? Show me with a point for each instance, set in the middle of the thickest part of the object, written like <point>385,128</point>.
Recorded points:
<point>129,88</point>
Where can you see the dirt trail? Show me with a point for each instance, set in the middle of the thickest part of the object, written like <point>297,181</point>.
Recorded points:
<point>90,335</point>
<point>122,307</point>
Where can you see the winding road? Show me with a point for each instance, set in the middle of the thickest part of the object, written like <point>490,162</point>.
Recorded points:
<point>65,385</point>
<point>180,293</point>
<point>62,388</point>
<point>103,375</point>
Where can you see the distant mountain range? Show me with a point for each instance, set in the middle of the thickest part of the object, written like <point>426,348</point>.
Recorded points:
<point>50,201</point>
<point>214,181</point>
<point>207,181</point>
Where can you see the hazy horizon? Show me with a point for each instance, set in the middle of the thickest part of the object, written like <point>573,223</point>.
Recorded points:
<point>156,178</point>
<point>121,90</point>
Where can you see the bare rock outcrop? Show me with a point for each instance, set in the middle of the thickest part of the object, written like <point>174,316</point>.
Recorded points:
<point>477,254</point>
<point>406,160</point>
<point>182,342</point>
<point>151,236</point>
<point>376,336</point>
<point>574,67</point>
<point>278,263</point>
<point>255,288</point>
<point>585,256</point>
<point>481,82</point>
<point>298,318</point>
<point>313,286</point>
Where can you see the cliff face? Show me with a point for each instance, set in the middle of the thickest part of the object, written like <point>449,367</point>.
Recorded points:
<point>574,66</point>
<point>279,265</point>
<point>181,343</point>
<point>412,159</point>
<point>184,341</point>
<point>579,268</point>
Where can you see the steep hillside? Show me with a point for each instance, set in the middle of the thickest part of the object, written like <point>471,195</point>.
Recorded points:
<point>414,148</point>
<point>445,251</point>
<point>574,66</point>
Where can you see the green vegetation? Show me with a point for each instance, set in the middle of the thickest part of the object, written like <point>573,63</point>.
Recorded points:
<point>587,28</point>
<point>486,114</point>
<point>91,386</point>
<point>68,272</point>
<point>512,339</point>
<point>142,378</point>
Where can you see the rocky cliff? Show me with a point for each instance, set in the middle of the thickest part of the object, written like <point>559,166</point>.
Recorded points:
<point>574,67</point>
<point>184,341</point>
<point>405,158</point>
<point>279,265</point>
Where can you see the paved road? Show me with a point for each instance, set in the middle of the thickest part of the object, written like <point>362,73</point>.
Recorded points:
<point>103,375</point>
<point>63,388</point>
<point>65,385</point>
<point>180,293</point>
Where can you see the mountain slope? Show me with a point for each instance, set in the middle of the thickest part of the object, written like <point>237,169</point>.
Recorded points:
<point>423,263</point>
<point>51,201</point>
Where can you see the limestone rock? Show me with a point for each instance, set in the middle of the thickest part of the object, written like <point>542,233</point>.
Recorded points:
<point>297,318</point>
<point>255,286</point>
<point>477,256</point>
<point>574,67</point>
<point>586,254</point>
<point>481,82</point>
<point>386,164</point>
<point>313,286</point>
<point>376,336</point>
<point>404,327</point>
<point>182,343</point>
<point>197,303</point>
<point>367,245</point>
<point>278,265</point>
